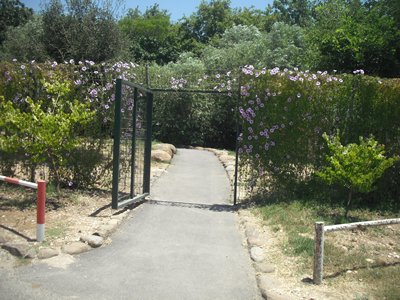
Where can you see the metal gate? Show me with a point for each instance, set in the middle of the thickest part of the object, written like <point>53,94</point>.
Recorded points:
<point>132,143</point>
<point>133,135</point>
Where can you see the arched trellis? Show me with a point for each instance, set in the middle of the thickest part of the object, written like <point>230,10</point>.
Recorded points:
<point>133,136</point>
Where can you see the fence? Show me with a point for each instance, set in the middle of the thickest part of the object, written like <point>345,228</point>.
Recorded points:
<point>320,230</point>
<point>40,186</point>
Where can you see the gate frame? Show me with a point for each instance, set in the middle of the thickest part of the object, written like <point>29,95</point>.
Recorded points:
<point>115,204</point>
<point>149,109</point>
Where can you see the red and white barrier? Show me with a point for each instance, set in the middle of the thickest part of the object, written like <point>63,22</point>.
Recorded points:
<point>40,186</point>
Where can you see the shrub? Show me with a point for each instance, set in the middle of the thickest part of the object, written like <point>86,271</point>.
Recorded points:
<point>354,166</point>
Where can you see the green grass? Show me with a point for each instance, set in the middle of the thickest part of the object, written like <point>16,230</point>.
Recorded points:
<point>297,219</point>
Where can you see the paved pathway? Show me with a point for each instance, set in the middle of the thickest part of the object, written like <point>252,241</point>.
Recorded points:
<point>183,244</point>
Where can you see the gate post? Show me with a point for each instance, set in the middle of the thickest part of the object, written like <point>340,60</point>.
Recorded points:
<point>238,131</point>
<point>147,146</point>
<point>117,141</point>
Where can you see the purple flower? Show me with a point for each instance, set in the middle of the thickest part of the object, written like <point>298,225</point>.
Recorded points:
<point>93,93</point>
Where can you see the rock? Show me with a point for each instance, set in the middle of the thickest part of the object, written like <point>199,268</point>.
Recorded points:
<point>369,260</point>
<point>45,253</point>
<point>225,159</point>
<point>254,241</point>
<point>251,230</point>
<point>230,168</point>
<point>105,230</point>
<point>264,267</point>
<point>161,156</point>
<point>170,149</point>
<point>61,261</point>
<point>75,248</point>
<point>20,250</point>
<point>267,284</point>
<point>270,295</point>
<point>94,241</point>
<point>3,239</point>
<point>257,254</point>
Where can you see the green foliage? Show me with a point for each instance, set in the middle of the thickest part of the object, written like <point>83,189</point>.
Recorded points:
<point>82,29</point>
<point>192,118</point>
<point>25,42</point>
<point>211,19</point>
<point>284,46</point>
<point>353,35</point>
<point>151,35</point>
<point>355,166</point>
<point>44,133</point>
<point>284,114</point>
<point>13,13</point>
<point>293,12</point>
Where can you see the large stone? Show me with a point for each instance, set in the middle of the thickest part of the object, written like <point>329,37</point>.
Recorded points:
<point>105,230</point>
<point>3,239</point>
<point>75,248</point>
<point>161,156</point>
<point>230,168</point>
<point>257,254</point>
<point>226,159</point>
<point>20,250</point>
<point>264,267</point>
<point>94,241</point>
<point>165,148</point>
<point>254,241</point>
<point>268,286</point>
<point>45,253</point>
<point>61,261</point>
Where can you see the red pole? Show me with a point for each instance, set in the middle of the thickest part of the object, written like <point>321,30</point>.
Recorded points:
<point>41,207</point>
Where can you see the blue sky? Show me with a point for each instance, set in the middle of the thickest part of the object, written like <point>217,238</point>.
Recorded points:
<point>177,8</point>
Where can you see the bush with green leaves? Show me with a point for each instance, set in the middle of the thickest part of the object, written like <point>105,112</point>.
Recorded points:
<point>355,167</point>
<point>44,133</point>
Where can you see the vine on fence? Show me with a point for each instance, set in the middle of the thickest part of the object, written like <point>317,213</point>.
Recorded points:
<point>284,114</point>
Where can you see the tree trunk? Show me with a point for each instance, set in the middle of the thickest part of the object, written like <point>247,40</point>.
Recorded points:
<point>348,203</point>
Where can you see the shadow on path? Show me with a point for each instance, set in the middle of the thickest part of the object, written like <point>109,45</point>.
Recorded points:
<point>210,207</point>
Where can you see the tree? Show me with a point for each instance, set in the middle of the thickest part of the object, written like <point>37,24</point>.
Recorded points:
<point>293,12</point>
<point>354,166</point>
<point>82,29</point>
<point>211,19</point>
<point>13,13</point>
<point>151,35</point>
<point>284,46</point>
<point>354,35</point>
<point>25,42</point>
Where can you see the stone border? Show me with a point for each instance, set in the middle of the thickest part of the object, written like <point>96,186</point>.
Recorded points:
<point>99,237</point>
<point>256,241</point>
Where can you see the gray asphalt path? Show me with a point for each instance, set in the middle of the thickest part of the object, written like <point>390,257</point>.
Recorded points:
<point>183,244</point>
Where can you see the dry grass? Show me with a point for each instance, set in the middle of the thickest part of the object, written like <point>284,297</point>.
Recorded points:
<point>360,264</point>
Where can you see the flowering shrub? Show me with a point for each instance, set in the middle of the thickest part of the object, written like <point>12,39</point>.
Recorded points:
<point>285,112</point>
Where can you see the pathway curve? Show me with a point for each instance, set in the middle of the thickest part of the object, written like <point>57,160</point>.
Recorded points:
<point>182,244</point>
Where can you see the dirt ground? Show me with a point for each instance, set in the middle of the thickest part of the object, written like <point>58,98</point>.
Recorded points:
<point>294,274</point>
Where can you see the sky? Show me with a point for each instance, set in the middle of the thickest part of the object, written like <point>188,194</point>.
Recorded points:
<point>177,8</point>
